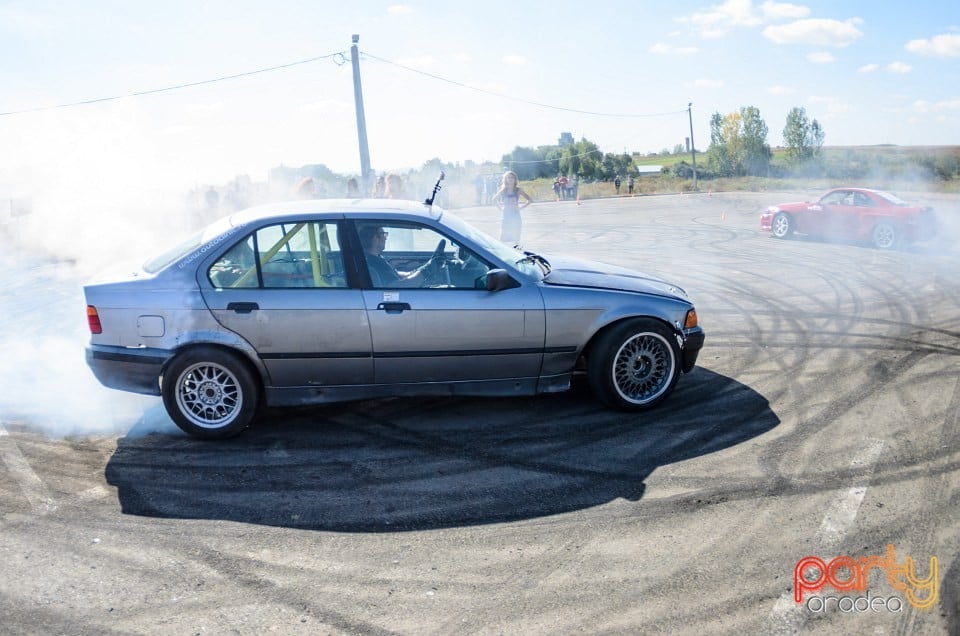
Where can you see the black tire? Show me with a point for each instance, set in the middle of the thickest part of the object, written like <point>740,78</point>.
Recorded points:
<point>782,225</point>
<point>884,236</point>
<point>634,365</point>
<point>210,393</point>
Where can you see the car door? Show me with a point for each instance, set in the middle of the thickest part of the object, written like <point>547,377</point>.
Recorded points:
<point>840,213</point>
<point>448,328</point>
<point>284,289</point>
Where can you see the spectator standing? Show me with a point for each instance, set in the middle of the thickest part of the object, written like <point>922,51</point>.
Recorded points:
<point>379,187</point>
<point>616,183</point>
<point>306,189</point>
<point>395,189</point>
<point>353,188</point>
<point>508,199</point>
<point>630,184</point>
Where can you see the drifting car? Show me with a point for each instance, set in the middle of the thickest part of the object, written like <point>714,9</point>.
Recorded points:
<point>859,214</point>
<point>287,304</point>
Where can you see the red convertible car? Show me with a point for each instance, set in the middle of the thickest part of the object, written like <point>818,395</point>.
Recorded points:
<point>859,214</point>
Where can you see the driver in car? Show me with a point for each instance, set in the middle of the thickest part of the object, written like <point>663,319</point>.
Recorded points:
<point>382,273</point>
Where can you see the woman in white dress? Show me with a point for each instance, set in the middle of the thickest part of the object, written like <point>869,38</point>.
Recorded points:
<point>508,199</point>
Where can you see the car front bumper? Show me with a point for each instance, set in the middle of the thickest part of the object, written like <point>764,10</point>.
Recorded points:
<point>135,370</point>
<point>766,222</point>
<point>692,344</point>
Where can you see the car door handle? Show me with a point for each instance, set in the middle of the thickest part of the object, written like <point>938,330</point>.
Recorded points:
<point>242,308</point>
<point>394,308</point>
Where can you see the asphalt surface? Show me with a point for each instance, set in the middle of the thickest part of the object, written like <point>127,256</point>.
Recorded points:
<point>822,420</point>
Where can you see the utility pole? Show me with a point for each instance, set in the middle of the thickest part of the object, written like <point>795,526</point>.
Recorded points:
<point>366,176</point>
<point>693,146</point>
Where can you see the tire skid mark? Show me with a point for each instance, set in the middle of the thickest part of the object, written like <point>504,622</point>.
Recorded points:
<point>787,616</point>
<point>939,497</point>
<point>32,487</point>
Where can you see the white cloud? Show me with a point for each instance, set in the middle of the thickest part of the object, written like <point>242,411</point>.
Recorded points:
<point>399,9</point>
<point>831,106</point>
<point>821,57</point>
<point>818,32</point>
<point>924,107</point>
<point>868,68</point>
<point>707,83</point>
<point>719,19</point>
<point>781,90</point>
<point>783,10</point>
<point>514,60</point>
<point>661,48</point>
<point>899,67</point>
<point>946,45</point>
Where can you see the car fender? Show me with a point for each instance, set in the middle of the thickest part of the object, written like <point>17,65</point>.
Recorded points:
<point>224,339</point>
<point>573,321</point>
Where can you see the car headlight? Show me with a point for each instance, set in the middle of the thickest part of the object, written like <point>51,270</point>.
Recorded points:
<point>691,320</point>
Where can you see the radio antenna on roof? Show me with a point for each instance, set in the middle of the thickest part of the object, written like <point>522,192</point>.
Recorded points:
<point>436,188</point>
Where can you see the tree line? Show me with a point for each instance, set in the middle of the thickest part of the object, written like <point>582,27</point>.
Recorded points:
<point>738,148</point>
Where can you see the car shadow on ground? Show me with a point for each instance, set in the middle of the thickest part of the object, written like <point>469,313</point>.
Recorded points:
<point>415,464</point>
<point>931,247</point>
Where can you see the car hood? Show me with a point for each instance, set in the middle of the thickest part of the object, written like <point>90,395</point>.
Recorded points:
<point>568,272</point>
<point>793,206</point>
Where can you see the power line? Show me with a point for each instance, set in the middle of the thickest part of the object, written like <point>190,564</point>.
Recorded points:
<point>519,99</point>
<point>342,60</point>
<point>178,86</point>
<point>581,154</point>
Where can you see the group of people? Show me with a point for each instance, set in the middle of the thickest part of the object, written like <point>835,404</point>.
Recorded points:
<point>565,188</point>
<point>616,184</point>
<point>510,198</point>
<point>385,187</point>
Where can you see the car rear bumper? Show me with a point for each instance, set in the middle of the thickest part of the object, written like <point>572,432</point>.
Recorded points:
<point>126,369</point>
<point>692,344</point>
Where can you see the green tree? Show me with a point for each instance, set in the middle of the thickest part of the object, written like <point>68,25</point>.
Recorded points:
<point>738,144</point>
<point>718,159</point>
<point>582,158</point>
<point>756,150</point>
<point>802,137</point>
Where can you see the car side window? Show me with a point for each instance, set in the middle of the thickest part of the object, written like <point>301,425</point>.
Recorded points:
<point>834,198</point>
<point>298,255</point>
<point>237,268</point>
<point>402,255</point>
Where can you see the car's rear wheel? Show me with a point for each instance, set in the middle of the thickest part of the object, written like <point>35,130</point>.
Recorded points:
<point>210,393</point>
<point>634,365</point>
<point>884,235</point>
<point>782,225</point>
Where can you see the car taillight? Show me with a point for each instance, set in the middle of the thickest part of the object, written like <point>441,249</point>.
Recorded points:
<point>93,319</point>
<point>691,320</point>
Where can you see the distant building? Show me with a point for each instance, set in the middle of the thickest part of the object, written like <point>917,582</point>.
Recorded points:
<point>566,139</point>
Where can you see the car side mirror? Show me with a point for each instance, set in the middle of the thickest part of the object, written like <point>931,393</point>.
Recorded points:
<point>499,279</point>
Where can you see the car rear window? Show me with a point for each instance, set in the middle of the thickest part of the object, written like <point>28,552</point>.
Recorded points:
<point>187,246</point>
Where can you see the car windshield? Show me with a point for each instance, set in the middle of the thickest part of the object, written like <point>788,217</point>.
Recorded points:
<point>891,198</point>
<point>521,261</point>
<point>188,245</point>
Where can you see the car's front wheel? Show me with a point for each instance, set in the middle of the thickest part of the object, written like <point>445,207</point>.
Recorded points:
<point>210,393</point>
<point>634,365</point>
<point>782,226</point>
<point>884,236</point>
